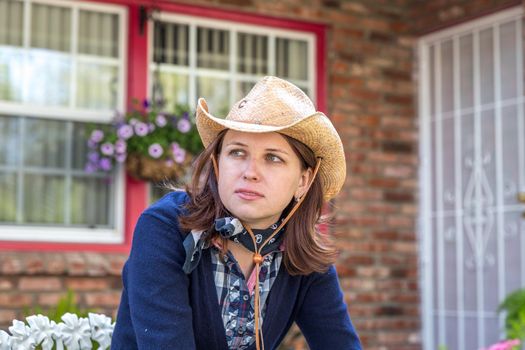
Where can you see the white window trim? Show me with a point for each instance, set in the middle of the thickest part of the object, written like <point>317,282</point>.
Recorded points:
<point>64,234</point>
<point>233,28</point>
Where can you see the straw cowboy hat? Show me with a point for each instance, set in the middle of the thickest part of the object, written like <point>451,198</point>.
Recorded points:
<point>275,105</point>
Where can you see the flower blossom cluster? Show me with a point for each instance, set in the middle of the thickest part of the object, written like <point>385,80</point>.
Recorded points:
<point>162,136</point>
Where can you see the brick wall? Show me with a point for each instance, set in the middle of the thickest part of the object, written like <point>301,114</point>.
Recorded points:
<point>30,279</point>
<point>371,100</point>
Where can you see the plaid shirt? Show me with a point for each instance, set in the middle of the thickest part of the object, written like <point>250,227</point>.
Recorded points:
<point>238,311</point>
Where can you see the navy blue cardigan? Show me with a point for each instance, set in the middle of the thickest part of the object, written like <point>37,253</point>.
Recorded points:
<point>163,308</point>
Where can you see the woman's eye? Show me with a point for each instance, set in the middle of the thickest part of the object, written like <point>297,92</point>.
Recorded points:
<point>236,153</point>
<point>273,158</point>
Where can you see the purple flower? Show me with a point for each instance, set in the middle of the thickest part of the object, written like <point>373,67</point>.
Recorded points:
<point>105,164</point>
<point>90,168</point>
<point>141,129</point>
<point>184,125</point>
<point>161,121</point>
<point>133,121</point>
<point>125,132</point>
<point>169,163</point>
<point>97,135</point>
<point>185,115</point>
<point>174,147</point>
<point>92,144</point>
<point>93,157</point>
<point>155,150</point>
<point>107,149</point>
<point>145,104</point>
<point>120,146</point>
<point>151,127</point>
<point>121,158</point>
<point>179,155</point>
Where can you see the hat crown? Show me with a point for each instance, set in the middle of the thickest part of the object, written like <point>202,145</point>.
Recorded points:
<point>272,101</point>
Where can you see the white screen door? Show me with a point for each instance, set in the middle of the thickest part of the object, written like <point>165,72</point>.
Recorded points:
<point>472,231</point>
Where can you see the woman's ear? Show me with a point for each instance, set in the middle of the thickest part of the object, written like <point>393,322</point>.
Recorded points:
<point>304,183</point>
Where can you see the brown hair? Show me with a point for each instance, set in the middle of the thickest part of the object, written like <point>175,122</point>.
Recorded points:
<point>307,250</point>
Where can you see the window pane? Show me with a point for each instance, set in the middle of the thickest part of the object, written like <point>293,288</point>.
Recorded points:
<point>45,143</point>
<point>97,86</point>
<point>44,199</point>
<point>98,34</point>
<point>213,47</point>
<point>174,88</point>
<point>291,60</point>
<point>49,77</point>
<point>50,27</point>
<point>11,72</point>
<point>252,53</point>
<point>8,200</point>
<point>90,201</point>
<point>8,141</point>
<point>79,147</point>
<point>171,43</point>
<point>217,94</point>
<point>11,22</point>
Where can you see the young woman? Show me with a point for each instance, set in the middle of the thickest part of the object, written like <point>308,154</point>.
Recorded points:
<point>232,262</point>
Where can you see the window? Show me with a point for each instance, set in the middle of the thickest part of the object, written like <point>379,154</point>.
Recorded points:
<point>220,60</point>
<point>61,66</point>
<point>192,57</point>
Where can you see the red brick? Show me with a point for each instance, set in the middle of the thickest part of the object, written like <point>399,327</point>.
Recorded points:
<point>34,264</point>
<point>51,299</point>
<point>39,283</point>
<point>11,265</point>
<point>7,317</point>
<point>399,171</point>
<point>382,157</point>
<point>111,299</point>
<point>14,300</point>
<point>55,264</point>
<point>400,222</point>
<point>76,264</point>
<point>6,284</point>
<point>86,284</point>
<point>383,183</point>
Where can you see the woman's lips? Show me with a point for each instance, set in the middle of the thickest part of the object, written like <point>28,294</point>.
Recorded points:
<point>248,195</point>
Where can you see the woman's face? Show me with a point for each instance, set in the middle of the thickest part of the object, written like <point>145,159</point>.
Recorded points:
<point>258,176</point>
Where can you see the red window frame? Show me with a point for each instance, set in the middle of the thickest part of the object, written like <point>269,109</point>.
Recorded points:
<point>137,79</point>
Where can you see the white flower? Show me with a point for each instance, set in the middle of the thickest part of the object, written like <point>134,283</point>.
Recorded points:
<point>76,332</point>
<point>5,340</point>
<point>21,338</point>
<point>101,329</point>
<point>43,330</point>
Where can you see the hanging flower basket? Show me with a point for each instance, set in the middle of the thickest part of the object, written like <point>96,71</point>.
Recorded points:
<point>153,145</point>
<point>145,168</point>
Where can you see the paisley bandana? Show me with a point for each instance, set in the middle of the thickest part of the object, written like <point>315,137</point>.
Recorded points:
<point>231,228</point>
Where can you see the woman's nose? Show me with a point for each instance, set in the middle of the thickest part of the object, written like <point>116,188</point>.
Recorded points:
<point>251,172</point>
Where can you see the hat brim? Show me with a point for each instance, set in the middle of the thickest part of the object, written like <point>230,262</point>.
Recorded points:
<point>316,131</point>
